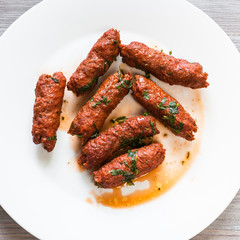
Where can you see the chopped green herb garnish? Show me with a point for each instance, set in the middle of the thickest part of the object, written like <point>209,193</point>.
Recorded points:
<point>119,119</point>
<point>126,164</point>
<point>87,87</point>
<point>145,94</point>
<point>73,126</point>
<point>123,82</point>
<point>96,133</point>
<point>119,75</point>
<point>98,185</point>
<point>95,104</point>
<point>133,156</point>
<point>52,138</point>
<point>146,114</point>
<point>55,79</point>
<point>159,189</point>
<point>134,142</point>
<point>146,162</point>
<point>170,73</point>
<point>115,41</point>
<point>161,106</point>
<point>128,177</point>
<point>170,52</point>
<point>173,107</point>
<point>62,117</point>
<point>152,125</point>
<point>107,62</point>
<point>104,100</point>
<point>178,128</point>
<point>170,120</point>
<point>161,50</point>
<point>147,75</point>
<point>79,135</point>
<point>91,100</point>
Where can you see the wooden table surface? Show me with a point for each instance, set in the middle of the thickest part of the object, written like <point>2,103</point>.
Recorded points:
<point>227,15</point>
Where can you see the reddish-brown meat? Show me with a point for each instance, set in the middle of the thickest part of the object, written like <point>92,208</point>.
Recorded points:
<point>98,150</point>
<point>98,61</point>
<point>165,67</point>
<point>92,115</point>
<point>47,109</point>
<point>129,166</point>
<point>164,107</point>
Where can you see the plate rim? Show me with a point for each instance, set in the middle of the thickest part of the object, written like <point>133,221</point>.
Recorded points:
<point>45,2</point>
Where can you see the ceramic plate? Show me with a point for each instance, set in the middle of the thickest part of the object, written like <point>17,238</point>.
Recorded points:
<point>46,195</point>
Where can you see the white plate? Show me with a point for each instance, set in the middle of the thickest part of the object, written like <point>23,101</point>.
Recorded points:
<point>41,194</point>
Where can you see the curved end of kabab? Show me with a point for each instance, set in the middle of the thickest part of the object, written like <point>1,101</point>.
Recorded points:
<point>96,64</point>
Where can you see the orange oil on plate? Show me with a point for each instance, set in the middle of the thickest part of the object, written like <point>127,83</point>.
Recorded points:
<point>160,181</point>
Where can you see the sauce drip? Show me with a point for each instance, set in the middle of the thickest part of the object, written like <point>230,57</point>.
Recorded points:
<point>89,200</point>
<point>160,181</point>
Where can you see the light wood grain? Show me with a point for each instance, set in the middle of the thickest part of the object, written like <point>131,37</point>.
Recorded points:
<point>227,14</point>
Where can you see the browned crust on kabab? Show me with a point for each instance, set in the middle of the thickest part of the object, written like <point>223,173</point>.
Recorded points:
<point>98,61</point>
<point>165,67</point>
<point>47,109</point>
<point>93,114</point>
<point>164,107</point>
<point>129,166</point>
<point>98,150</point>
